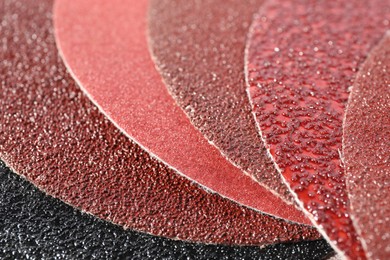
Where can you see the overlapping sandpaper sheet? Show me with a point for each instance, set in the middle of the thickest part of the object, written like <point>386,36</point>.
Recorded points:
<point>366,150</point>
<point>105,47</point>
<point>53,135</point>
<point>302,58</point>
<point>198,47</point>
<point>37,226</point>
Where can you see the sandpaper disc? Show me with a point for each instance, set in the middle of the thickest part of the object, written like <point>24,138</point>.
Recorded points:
<point>53,135</point>
<point>300,65</point>
<point>37,226</point>
<point>366,150</point>
<point>105,47</point>
<point>199,48</point>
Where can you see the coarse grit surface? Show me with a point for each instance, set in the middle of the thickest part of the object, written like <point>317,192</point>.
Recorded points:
<point>300,67</point>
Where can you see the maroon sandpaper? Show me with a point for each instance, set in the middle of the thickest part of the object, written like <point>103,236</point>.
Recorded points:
<point>53,135</point>
<point>105,47</point>
<point>366,151</point>
<point>198,47</point>
<point>300,65</point>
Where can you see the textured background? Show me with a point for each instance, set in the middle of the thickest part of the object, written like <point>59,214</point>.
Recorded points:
<point>36,226</point>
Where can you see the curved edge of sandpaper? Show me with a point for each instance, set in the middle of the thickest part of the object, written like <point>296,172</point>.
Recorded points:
<point>223,154</point>
<point>340,254</point>
<point>246,173</point>
<point>359,230</point>
<point>230,160</point>
<point>153,155</point>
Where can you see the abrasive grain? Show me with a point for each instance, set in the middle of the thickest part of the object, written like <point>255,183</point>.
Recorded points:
<point>53,135</point>
<point>199,48</point>
<point>36,226</point>
<point>366,151</point>
<point>104,46</point>
<point>300,67</point>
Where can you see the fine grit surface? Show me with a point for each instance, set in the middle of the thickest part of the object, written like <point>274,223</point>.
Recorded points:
<point>366,150</point>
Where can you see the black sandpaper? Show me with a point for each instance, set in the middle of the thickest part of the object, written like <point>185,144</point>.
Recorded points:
<point>36,226</point>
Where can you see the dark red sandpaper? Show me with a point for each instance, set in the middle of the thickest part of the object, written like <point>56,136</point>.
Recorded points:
<point>302,58</point>
<point>53,135</point>
<point>366,150</point>
<point>105,47</point>
<point>198,47</point>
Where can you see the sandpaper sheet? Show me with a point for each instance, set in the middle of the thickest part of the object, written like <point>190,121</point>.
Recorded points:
<point>300,66</point>
<point>56,138</point>
<point>36,226</point>
<point>366,150</point>
<point>198,47</point>
<point>104,45</point>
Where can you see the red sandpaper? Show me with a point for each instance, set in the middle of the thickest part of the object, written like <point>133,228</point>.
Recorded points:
<point>206,76</point>
<point>302,57</point>
<point>366,151</point>
<point>53,135</point>
<point>105,47</point>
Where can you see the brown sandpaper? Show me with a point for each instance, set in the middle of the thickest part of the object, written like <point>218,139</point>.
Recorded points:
<point>198,46</point>
<point>104,46</point>
<point>56,138</point>
<point>300,67</point>
<point>366,151</point>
